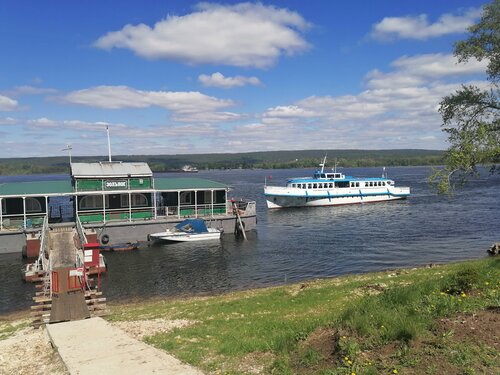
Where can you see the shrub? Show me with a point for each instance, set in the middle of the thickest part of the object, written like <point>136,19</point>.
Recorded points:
<point>462,281</point>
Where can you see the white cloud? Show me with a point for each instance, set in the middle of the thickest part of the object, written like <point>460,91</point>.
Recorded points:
<point>398,109</point>
<point>8,121</point>
<point>76,125</point>
<point>7,104</point>
<point>218,80</point>
<point>185,106</point>
<point>418,27</point>
<point>246,34</point>
<point>411,71</point>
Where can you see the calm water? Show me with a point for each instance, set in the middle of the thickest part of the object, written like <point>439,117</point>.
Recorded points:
<point>295,244</point>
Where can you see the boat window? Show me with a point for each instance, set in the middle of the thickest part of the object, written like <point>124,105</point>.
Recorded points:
<point>357,184</point>
<point>309,186</point>
<point>315,186</point>
<point>330,185</point>
<point>33,205</point>
<point>93,201</point>
<point>383,183</point>
<point>138,200</point>
<point>342,184</point>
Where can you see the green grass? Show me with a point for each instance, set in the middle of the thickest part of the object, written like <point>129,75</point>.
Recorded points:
<point>370,311</point>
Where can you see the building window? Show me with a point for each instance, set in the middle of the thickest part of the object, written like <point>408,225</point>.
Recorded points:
<point>93,201</point>
<point>185,197</point>
<point>33,205</point>
<point>138,200</point>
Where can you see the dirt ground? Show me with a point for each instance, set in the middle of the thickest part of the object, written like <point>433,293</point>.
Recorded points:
<point>434,354</point>
<point>29,352</point>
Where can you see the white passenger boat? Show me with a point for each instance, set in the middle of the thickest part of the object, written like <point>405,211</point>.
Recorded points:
<point>332,188</point>
<point>188,231</point>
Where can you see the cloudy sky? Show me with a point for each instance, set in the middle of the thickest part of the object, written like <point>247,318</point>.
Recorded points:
<point>172,77</point>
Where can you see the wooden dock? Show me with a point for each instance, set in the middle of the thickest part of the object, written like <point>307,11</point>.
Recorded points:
<point>65,291</point>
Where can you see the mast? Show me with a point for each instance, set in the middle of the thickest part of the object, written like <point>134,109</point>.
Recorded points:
<point>322,165</point>
<point>109,143</point>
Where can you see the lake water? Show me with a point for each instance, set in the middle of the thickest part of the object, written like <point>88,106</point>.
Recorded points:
<point>290,245</point>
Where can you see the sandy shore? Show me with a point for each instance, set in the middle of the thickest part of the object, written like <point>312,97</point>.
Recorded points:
<point>29,352</point>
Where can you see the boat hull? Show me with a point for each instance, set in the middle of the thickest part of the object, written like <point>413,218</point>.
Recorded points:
<point>169,236</point>
<point>282,198</point>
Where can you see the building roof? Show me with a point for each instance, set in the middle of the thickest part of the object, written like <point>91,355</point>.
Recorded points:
<point>188,183</point>
<point>105,169</point>
<point>64,187</point>
<point>37,188</point>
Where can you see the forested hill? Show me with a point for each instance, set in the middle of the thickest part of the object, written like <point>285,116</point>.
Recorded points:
<point>268,159</point>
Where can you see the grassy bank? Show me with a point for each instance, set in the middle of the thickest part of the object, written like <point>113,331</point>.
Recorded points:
<point>435,320</point>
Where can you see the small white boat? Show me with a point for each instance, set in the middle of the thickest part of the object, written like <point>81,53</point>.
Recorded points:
<point>189,230</point>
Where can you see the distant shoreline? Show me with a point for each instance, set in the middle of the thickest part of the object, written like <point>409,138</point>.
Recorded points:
<point>252,160</point>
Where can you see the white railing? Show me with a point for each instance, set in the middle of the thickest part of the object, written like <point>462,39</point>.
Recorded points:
<point>81,231</point>
<point>191,210</point>
<point>41,262</point>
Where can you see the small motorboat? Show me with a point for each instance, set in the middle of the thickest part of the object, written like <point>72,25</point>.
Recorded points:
<point>188,231</point>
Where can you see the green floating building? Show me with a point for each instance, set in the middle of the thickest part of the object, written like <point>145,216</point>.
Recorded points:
<point>118,201</point>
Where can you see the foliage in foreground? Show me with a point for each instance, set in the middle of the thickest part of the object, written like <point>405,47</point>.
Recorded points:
<point>274,330</point>
<point>471,116</point>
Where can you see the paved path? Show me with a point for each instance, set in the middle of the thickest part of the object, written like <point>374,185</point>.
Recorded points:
<point>62,249</point>
<point>93,346</point>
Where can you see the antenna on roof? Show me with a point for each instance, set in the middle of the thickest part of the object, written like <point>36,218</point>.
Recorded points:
<point>109,143</point>
<point>68,148</point>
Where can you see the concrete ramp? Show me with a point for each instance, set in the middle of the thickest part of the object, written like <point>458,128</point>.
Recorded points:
<point>93,346</point>
<point>62,247</point>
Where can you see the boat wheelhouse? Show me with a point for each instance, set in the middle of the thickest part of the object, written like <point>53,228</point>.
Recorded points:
<point>332,188</point>
<point>116,202</point>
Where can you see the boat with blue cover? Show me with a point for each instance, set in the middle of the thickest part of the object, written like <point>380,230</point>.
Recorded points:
<point>188,231</point>
<point>332,188</point>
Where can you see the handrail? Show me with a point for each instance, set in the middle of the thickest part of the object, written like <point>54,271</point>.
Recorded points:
<point>81,231</point>
<point>41,262</point>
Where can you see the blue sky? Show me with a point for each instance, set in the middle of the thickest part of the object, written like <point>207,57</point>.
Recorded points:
<point>172,77</point>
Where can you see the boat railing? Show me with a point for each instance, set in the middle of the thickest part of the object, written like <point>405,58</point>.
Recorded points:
<point>17,221</point>
<point>116,214</point>
<point>244,207</point>
<point>191,210</point>
<point>277,188</point>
